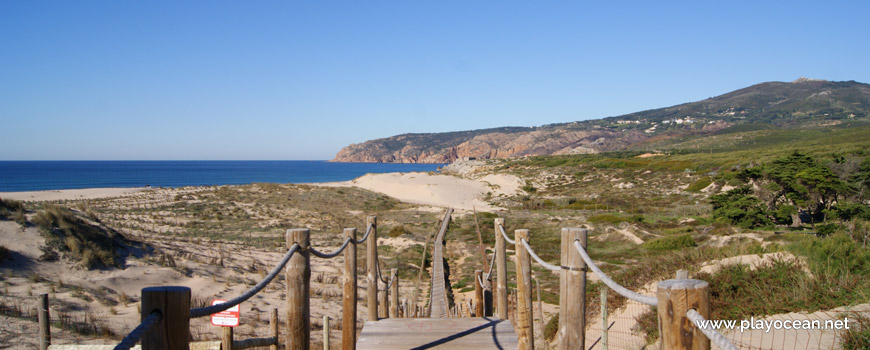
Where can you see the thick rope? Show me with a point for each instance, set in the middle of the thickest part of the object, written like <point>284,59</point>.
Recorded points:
<point>644,299</point>
<point>380,276</point>
<point>365,236</point>
<point>714,336</point>
<point>543,263</point>
<point>491,265</point>
<point>131,339</point>
<point>480,282</point>
<point>320,254</point>
<point>208,310</point>
<point>506,238</point>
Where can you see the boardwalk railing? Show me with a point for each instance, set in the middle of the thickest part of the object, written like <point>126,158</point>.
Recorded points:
<point>682,303</point>
<point>166,312</point>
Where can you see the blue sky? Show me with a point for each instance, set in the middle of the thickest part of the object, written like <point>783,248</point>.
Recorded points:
<point>299,80</point>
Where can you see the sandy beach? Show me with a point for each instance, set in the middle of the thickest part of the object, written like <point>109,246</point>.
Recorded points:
<point>59,195</point>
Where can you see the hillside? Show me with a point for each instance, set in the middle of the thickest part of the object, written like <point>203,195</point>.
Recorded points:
<point>802,104</point>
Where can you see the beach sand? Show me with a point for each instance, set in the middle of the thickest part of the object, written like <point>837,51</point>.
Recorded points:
<point>59,195</point>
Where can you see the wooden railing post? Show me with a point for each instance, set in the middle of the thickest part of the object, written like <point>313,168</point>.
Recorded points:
<point>173,330</point>
<point>372,269</point>
<point>273,323</point>
<point>572,291</point>
<point>675,298</point>
<point>682,274</point>
<point>394,293</point>
<point>326,332</point>
<point>525,329</point>
<point>348,315</point>
<point>501,272</point>
<point>44,322</point>
<point>227,338</point>
<point>478,293</point>
<point>298,278</point>
<point>384,301</point>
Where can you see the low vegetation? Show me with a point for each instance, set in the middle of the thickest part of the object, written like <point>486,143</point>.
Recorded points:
<point>86,242</point>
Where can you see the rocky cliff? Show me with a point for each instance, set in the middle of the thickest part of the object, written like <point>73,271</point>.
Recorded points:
<point>801,103</point>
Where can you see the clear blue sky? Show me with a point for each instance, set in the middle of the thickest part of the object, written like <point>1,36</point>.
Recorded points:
<point>301,79</point>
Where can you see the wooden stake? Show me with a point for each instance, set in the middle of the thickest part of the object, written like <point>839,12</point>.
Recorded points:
<point>478,293</point>
<point>394,293</point>
<point>298,279</point>
<point>326,332</point>
<point>383,300</point>
<point>541,317</point>
<point>372,269</point>
<point>273,324</point>
<point>675,298</point>
<point>525,329</point>
<point>572,291</point>
<point>501,272</point>
<point>226,338</point>
<point>44,322</point>
<point>173,330</point>
<point>348,311</point>
<point>604,322</point>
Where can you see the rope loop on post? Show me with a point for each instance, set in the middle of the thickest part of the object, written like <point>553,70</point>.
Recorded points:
<point>208,310</point>
<point>543,263</point>
<point>506,238</point>
<point>644,299</point>
<point>320,254</point>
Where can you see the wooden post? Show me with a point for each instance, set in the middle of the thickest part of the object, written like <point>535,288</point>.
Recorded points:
<point>372,269</point>
<point>682,274</point>
<point>326,332</point>
<point>227,338</point>
<point>44,322</point>
<point>546,345</point>
<point>604,323</point>
<point>298,278</point>
<point>348,311</point>
<point>394,293</point>
<point>675,298</point>
<point>383,300</point>
<point>572,291</point>
<point>501,272</point>
<point>273,323</point>
<point>525,329</point>
<point>478,293</point>
<point>173,330</point>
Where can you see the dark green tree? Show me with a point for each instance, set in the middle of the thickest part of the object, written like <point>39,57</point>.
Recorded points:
<point>739,207</point>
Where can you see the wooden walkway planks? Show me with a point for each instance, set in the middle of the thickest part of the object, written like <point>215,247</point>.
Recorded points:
<point>438,305</point>
<point>475,333</point>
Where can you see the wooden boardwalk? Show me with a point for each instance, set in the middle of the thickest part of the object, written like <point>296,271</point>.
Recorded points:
<point>438,305</point>
<point>476,333</point>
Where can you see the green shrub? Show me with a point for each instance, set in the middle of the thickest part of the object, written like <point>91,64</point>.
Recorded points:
<point>607,218</point>
<point>551,328</point>
<point>739,207</point>
<point>700,184</point>
<point>396,231</point>
<point>670,242</point>
<point>66,232</point>
<point>824,230</point>
<point>837,252</point>
<point>9,206</point>
<point>858,335</point>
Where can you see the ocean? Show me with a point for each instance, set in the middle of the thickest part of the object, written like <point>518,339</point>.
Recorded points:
<point>56,175</point>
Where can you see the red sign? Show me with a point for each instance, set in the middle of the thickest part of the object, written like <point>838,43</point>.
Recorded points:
<point>226,318</point>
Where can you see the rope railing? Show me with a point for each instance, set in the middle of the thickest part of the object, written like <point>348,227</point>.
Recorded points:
<point>491,265</point>
<point>543,263</point>
<point>506,238</point>
<point>208,310</point>
<point>644,299</point>
<point>712,334</point>
<point>323,255</point>
<point>133,337</point>
<point>365,236</point>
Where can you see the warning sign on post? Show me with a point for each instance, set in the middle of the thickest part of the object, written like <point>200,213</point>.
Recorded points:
<point>226,318</point>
